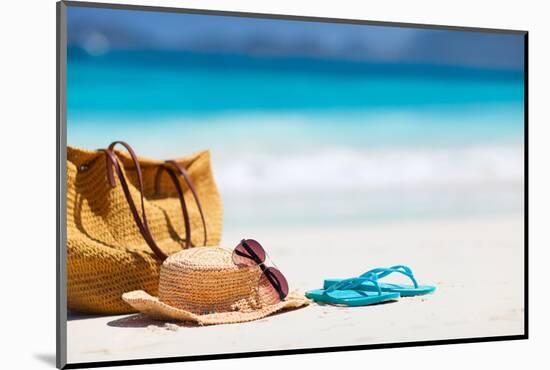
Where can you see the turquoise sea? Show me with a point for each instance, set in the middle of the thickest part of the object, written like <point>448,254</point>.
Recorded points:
<point>311,139</point>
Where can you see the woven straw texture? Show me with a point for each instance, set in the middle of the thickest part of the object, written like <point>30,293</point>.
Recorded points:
<point>106,253</point>
<point>204,286</point>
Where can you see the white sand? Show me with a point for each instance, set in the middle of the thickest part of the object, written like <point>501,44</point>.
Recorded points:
<point>477,265</point>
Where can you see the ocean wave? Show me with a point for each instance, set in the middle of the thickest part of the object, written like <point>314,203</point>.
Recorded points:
<point>344,169</point>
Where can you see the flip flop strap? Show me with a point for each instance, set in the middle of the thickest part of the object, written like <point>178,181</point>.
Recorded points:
<point>402,267</point>
<point>381,272</point>
<point>350,284</point>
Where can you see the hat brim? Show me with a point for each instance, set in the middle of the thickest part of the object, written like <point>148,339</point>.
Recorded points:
<point>153,307</point>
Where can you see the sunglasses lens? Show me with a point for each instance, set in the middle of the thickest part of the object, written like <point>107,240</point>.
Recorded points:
<point>271,283</point>
<point>243,256</point>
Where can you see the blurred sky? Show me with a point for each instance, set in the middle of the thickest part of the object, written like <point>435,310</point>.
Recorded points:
<point>99,30</point>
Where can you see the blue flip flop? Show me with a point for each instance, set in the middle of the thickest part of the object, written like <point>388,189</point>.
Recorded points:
<point>345,293</point>
<point>379,273</point>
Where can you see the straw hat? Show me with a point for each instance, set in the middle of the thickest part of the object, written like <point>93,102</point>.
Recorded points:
<point>204,286</point>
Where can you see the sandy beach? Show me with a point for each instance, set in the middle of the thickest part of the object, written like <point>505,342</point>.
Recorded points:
<point>476,264</point>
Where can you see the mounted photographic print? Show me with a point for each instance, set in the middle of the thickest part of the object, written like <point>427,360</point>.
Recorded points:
<point>235,184</point>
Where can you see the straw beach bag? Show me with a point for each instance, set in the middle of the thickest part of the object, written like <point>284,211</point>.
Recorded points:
<point>126,215</point>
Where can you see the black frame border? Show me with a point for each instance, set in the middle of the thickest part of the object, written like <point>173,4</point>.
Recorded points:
<point>61,143</point>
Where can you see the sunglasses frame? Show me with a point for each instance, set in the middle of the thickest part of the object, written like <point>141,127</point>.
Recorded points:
<point>265,270</point>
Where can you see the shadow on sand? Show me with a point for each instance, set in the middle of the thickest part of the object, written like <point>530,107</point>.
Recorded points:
<point>142,321</point>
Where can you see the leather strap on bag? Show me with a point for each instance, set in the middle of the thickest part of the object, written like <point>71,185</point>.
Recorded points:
<point>113,165</point>
<point>141,222</point>
<point>185,175</point>
<point>177,185</point>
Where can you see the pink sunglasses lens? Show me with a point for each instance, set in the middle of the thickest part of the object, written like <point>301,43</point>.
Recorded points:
<point>273,286</point>
<point>251,256</point>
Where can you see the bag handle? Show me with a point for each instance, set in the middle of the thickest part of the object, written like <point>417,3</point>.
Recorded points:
<point>141,222</point>
<point>183,173</point>
<point>177,185</point>
<point>113,165</point>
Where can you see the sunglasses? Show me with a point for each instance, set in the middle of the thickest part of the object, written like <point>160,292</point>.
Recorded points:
<point>273,284</point>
